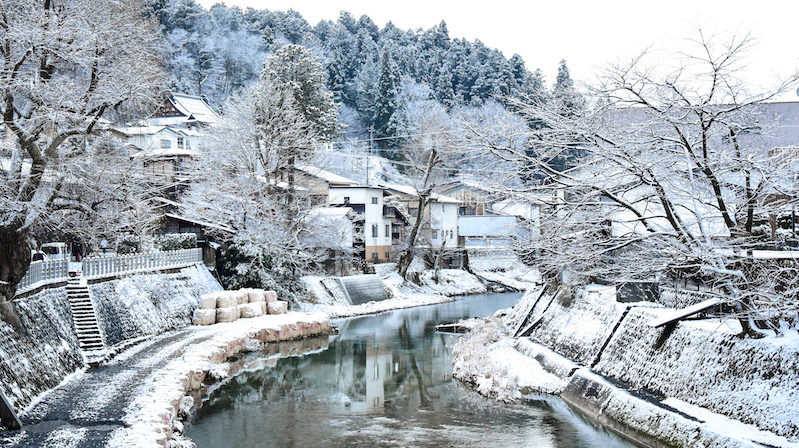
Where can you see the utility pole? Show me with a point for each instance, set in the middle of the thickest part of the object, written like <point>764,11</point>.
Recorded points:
<point>369,152</point>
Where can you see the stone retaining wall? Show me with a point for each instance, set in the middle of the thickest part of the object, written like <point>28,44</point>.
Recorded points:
<point>41,355</point>
<point>701,363</point>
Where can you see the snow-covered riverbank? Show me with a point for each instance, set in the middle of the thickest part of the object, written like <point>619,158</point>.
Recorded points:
<point>140,398</point>
<point>696,385</point>
<point>432,289</point>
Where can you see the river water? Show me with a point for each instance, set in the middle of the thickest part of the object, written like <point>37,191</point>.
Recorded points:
<point>384,380</point>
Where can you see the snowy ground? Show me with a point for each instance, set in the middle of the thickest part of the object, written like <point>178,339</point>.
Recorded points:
<point>450,282</point>
<point>135,400</point>
<point>488,359</point>
<point>502,267</point>
<point>508,369</point>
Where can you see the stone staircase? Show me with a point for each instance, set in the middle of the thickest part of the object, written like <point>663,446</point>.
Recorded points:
<point>90,338</point>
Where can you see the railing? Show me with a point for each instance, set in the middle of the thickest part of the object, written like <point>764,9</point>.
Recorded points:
<point>42,273</point>
<point>130,264</point>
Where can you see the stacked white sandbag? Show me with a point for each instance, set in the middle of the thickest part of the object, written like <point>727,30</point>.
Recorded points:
<point>206,312</point>
<point>228,314</point>
<point>249,310</point>
<point>277,307</point>
<point>227,306</point>
<point>208,301</point>
<point>258,296</point>
<point>270,296</point>
<point>204,317</point>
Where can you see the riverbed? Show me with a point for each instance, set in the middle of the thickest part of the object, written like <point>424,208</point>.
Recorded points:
<point>385,380</point>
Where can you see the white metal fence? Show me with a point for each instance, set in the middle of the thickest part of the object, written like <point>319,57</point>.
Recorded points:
<point>41,273</point>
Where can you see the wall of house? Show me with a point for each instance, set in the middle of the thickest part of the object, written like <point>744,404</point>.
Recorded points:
<point>39,356</point>
<point>444,220</point>
<point>373,215</point>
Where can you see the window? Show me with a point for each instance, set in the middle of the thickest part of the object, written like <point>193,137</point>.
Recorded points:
<point>374,255</point>
<point>188,146</point>
<point>388,255</point>
<point>374,230</point>
<point>388,230</point>
<point>435,234</point>
<point>414,212</point>
<point>180,142</point>
<point>374,200</point>
<point>166,144</point>
<point>346,199</point>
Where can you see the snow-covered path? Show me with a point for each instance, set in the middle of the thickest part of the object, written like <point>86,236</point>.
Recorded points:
<point>87,406</point>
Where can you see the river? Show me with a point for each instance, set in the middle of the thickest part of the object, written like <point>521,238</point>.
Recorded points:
<point>384,380</point>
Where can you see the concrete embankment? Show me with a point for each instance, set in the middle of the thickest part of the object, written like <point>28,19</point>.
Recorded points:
<point>696,384</point>
<point>45,350</point>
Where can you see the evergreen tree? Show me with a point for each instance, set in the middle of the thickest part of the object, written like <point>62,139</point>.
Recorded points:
<point>294,68</point>
<point>386,103</point>
<point>570,101</point>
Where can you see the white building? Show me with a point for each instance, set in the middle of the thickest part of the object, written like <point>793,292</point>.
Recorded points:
<point>440,225</point>
<point>367,203</point>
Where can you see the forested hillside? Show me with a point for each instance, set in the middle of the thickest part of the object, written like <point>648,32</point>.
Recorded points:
<point>371,71</point>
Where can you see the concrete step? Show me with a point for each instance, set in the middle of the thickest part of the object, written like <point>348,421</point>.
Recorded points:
<point>84,317</point>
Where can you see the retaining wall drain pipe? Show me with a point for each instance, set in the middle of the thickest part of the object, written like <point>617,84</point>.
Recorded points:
<point>8,418</point>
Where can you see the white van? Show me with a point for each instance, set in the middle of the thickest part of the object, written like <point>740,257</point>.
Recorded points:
<point>56,251</point>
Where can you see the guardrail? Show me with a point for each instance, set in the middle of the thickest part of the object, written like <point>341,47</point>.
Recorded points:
<point>42,273</point>
<point>100,267</point>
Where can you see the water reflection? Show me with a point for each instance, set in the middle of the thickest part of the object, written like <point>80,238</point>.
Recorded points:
<point>385,380</point>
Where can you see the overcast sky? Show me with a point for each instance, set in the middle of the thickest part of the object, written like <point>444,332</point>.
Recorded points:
<point>588,34</point>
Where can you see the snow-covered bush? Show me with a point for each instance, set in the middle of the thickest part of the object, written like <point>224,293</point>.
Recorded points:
<point>250,266</point>
<point>176,241</point>
<point>128,244</point>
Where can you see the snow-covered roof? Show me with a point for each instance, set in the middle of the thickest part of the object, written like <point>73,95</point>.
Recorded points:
<point>166,121</point>
<point>193,106</point>
<point>487,226</point>
<point>166,153</point>
<point>140,130</point>
<point>330,211</point>
<point>201,223</point>
<point>515,208</point>
<point>411,191</point>
<point>327,176</point>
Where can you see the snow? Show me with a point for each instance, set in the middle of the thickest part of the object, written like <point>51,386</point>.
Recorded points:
<point>326,176</point>
<point>401,294</point>
<point>727,426</point>
<point>156,407</point>
<point>488,359</point>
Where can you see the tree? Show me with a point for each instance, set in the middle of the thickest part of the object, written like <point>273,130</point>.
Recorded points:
<point>66,65</point>
<point>386,104</point>
<point>429,153</point>
<point>672,184</point>
<point>239,186</point>
<point>296,69</point>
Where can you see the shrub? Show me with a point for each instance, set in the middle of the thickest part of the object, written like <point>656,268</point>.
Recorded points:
<point>128,244</point>
<point>176,241</point>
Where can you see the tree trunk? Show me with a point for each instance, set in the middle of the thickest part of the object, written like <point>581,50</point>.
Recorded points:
<point>424,199</point>
<point>407,256</point>
<point>16,257</point>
